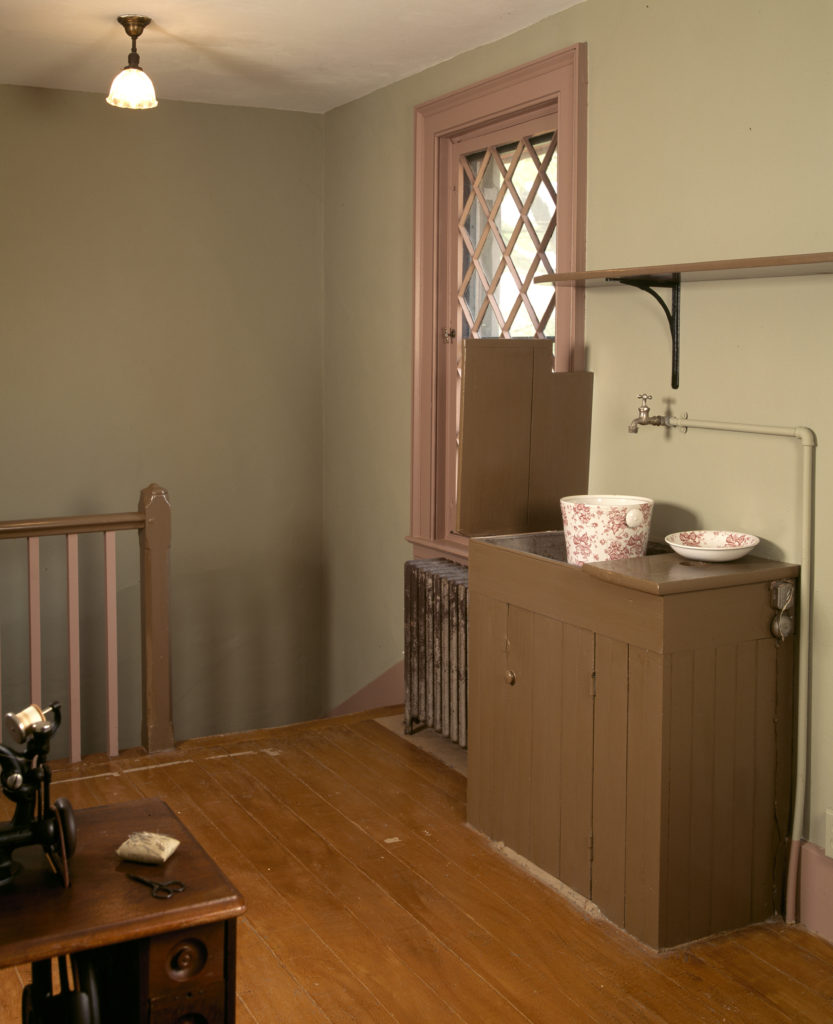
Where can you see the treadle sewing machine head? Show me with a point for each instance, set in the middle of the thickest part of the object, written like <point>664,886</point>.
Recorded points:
<point>25,778</point>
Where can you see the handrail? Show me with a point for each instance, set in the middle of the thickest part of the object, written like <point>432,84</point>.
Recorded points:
<point>71,524</point>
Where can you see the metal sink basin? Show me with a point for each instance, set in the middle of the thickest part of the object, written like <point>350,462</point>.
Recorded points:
<point>547,544</point>
<point>551,544</point>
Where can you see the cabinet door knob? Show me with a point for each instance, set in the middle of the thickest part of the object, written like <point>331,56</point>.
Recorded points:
<point>509,677</point>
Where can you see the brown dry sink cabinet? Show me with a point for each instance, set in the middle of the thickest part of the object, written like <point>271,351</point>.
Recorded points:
<point>630,730</point>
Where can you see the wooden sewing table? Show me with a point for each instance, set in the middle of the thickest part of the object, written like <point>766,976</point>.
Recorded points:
<point>157,961</point>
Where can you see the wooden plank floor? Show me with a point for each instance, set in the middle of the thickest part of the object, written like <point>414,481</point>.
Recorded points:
<point>370,899</point>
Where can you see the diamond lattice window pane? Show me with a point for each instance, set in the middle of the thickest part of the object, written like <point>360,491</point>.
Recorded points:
<point>490,258</point>
<point>491,180</point>
<point>522,326</point>
<point>506,217</point>
<point>541,298</point>
<point>489,326</point>
<point>475,296</point>
<point>507,233</point>
<point>506,294</point>
<point>474,161</point>
<point>476,223</point>
<point>541,211</point>
<point>524,253</point>
<point>525,176</point>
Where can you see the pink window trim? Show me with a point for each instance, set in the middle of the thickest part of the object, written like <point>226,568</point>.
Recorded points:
<point>562,77</point>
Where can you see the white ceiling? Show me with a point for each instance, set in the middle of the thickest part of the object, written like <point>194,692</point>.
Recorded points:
<point>282,54</point>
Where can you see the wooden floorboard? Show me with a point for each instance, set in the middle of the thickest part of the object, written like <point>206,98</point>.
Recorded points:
<point>371,900</point>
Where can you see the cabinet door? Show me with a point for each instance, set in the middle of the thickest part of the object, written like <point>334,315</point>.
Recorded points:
<point>531,736</point>
<point>562,751</point>
<point>500,717</point>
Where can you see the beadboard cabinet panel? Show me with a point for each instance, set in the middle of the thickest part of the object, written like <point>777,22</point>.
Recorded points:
<point>610,753</point>
<point>547,739</point>
<point>574,774</point>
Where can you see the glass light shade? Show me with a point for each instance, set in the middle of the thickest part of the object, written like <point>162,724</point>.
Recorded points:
<point>133,90</point>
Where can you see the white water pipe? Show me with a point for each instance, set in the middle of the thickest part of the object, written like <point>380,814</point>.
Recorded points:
<point>808,442</point>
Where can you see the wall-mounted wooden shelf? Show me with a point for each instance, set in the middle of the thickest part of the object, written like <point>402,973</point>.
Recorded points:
<point>711,270</point>
<point>672,275</point>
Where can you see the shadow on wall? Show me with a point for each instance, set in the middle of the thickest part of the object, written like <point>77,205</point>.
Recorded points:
<point>247,649</point>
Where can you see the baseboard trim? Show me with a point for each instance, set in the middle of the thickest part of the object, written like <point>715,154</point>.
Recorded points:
<point>815,888</point>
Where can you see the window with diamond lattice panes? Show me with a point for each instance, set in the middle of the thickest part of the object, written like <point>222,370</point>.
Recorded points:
<point>499,186</point>
<point>506,236</point>
<point>507,225</point>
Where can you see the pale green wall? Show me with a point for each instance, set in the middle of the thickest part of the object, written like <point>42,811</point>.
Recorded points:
<point>165,266</point>
<point>161,321</point>
<point>710,136</point>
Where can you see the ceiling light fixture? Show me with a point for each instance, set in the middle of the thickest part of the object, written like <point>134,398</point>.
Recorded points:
<point>131,88</point>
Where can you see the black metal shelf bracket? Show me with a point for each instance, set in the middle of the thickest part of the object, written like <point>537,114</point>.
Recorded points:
<point>649,284</point>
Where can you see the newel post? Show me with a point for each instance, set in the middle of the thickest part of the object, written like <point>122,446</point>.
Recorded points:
<point>155,548</point>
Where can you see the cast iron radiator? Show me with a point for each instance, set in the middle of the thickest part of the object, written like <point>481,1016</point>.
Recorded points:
<point>436,670</point>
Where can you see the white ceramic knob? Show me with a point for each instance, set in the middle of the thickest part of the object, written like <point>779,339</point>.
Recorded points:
<point>633,517</point>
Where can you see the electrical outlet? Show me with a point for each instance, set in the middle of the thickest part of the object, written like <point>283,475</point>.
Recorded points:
<point>828,833</point>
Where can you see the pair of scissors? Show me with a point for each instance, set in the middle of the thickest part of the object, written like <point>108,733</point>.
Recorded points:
<point>160,890</point>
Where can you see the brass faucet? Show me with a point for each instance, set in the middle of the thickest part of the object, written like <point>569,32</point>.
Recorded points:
<point>644,417</point>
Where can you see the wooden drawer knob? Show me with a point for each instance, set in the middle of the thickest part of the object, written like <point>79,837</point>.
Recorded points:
<point>187,959</point>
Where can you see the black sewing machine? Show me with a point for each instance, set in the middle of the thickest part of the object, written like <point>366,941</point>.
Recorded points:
<point>24,778</point>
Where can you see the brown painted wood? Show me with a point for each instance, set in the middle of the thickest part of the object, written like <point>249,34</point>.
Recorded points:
<point>766,780</point>
<point>575,776</point>
<point>678,865</point>
<point>563,592</point>
<point>725,615</point>
<point>632,607</point>
<point>482,939</point>
<point>646,794</point>
<point>493,473</point>
<point>689,683</point>
<point>155,551</point>
<point>610,749</point>
<point>487,663</point>
<point>524,437</point>
<point>669,574</point>
<point>501,799</point>
<point>62,525</point>
<point>514,718</point>
<point>559,461</point>
<point>702,837</point>
<point>546,739</point>
<point>742,842</point>
<point>785,696</point>
<point>723,800</point>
